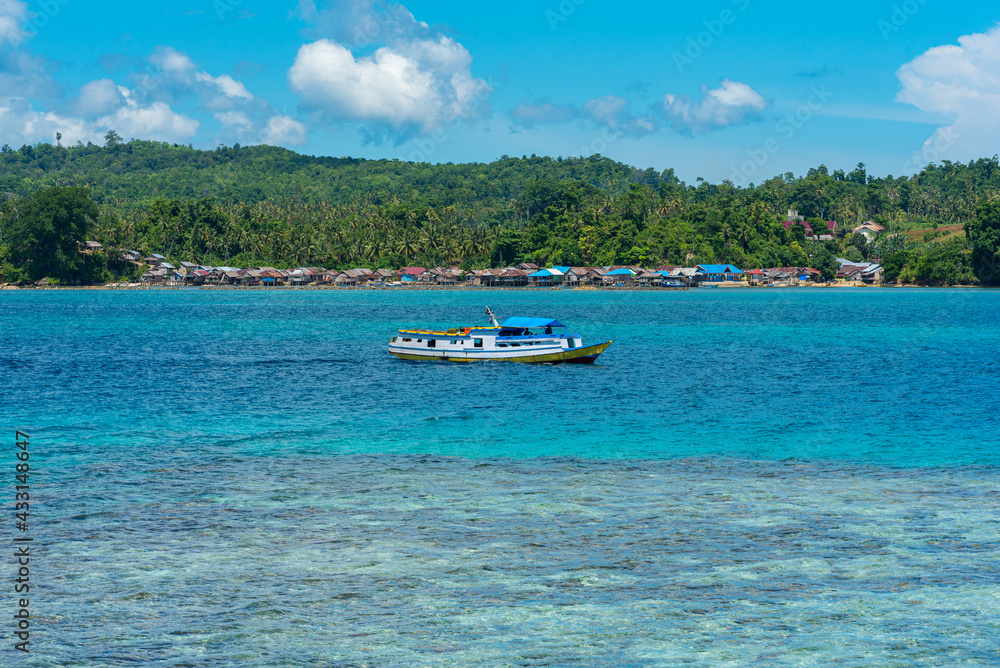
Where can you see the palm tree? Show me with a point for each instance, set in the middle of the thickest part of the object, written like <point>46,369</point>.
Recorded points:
<point>407,245</point>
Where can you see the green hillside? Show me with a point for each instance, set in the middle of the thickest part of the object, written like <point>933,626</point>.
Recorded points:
<point>267,205</point>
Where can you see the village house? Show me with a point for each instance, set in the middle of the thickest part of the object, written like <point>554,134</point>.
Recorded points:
<point>386,275</point>
<point>869,229</point>
<point>550,276</point>
<point>476,276</point>
<point>512,278</point>
<point>443,275</point>
<point>687,274</point>
<point>351,277</point>
<point>790,275</point>
<point>718,273</point>
<point>623,275</point>
<point>410,274</point>
<point>575,275</point>
<point>650,278</point>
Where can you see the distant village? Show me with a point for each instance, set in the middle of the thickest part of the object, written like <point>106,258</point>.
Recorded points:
<point>163,273</point>
<point>160,272</point>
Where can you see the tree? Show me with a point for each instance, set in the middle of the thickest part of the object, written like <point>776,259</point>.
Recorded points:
<point>824,262</point>
<point>112,139</point>
<point>894,264</point>
<point>45,232</point>
<point>984,234</point>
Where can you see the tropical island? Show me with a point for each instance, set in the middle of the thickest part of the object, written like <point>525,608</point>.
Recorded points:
<point>89,214</point>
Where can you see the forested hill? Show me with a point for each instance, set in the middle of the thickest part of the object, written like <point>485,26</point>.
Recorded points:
<point>128,176</point>
<point>140,171</point>
<point>248,206</point>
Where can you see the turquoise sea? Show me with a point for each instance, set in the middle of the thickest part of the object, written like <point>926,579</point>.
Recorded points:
<point>745,478</point>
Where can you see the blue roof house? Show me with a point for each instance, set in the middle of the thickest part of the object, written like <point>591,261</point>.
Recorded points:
<point>717,273</point>
<point>547,276</point>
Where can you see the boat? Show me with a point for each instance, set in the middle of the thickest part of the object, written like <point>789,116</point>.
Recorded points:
<point>517,339</point>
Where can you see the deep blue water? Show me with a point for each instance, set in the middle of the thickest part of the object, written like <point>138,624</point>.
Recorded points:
<point>783,477</point>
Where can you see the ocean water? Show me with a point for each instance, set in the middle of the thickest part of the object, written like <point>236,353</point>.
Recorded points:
<point>745,478</point>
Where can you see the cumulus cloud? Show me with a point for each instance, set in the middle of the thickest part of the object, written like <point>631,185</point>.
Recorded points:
<point>610,111</point>
<point>13,14</point>
<point>963,82</point>
<point>156,121</point>
<point>171,61</point>
<point>100,97</point>
<point>236,121</point>
<point>145,110</point>
<point>227,85</point>
<point>417,80</point>
<point>606,110</point>
<point>21,124</point>
<point>733,103</point>
<point>362,24</point>
<point>284,131</point>
<point>613,112</point>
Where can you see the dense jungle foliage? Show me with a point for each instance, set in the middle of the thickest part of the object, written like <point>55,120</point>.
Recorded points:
<point>262,205</point>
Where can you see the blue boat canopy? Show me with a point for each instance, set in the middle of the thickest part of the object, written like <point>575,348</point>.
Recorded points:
<point>530,322</point>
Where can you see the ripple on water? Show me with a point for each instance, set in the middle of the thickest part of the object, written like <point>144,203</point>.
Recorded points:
<point>503,562</point>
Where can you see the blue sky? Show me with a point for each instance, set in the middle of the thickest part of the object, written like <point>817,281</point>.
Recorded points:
<point>727,89</point>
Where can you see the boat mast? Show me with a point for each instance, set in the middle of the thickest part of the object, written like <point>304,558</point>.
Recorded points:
<point>493,318</point>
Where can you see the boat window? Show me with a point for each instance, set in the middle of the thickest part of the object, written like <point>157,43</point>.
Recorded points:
<point>431,343</point>
<point>420,340</point>
<point>406,340</point>
<point>572,343</point>
<point>454,343</point>
<point>478,343</point>
<point>501,345</point>
<point>515,345</point>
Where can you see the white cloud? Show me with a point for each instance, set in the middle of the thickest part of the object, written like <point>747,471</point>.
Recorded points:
<point>284,131</point>
<point>612,111</point>
<point>13,14</point>
<point>425,87</point>
<point>20,124</point>
<point>100,97</point>
<point>963,82</point>
<point>227,85</point>
<point>156,121</point>
<point>417,79</point>
<point>235,120</point>
<point>172,61</point>
<point>385,87</point>
<point>733,103</point>
<point>606,110</point>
